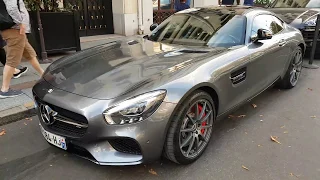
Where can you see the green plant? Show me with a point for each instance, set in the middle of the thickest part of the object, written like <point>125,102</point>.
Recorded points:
<point>262,2</point>
<point>46,5</point>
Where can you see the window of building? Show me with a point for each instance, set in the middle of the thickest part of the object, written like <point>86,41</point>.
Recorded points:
<point>202,29</point>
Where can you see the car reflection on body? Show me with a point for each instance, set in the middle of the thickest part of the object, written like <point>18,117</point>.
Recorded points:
<point>130,101</point>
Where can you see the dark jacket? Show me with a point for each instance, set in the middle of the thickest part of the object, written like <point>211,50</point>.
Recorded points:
<point>182,6</point>
<point>2,42</point>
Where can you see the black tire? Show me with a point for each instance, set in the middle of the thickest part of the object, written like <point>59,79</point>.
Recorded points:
<point>286,82</point>
<point>172,145</point>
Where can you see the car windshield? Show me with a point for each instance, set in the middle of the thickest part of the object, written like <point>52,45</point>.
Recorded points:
<point>214,29</point>
<point>295,4</point>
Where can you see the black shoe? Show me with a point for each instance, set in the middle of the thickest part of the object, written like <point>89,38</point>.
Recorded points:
<point>22,71</point>
<point>11,93</point>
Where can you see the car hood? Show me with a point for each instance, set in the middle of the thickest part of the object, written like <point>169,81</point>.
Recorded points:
<point>296,16</point>
<point>116,68</point>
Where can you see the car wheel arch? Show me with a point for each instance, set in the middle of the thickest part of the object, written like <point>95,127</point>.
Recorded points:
<point>303,48</point>
<point>206,87</point>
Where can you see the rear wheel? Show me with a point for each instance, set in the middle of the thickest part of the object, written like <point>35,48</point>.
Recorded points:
<point>293,73</point>
<point>190,129</point>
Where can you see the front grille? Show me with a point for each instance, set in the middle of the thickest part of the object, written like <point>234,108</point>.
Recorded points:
<point>67,129</point>
<point>126,145</point>
<point>62,127</point>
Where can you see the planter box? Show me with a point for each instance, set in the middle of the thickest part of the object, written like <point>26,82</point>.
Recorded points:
<point>60,31</point>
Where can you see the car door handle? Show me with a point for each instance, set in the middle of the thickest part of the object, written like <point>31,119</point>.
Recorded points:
<point>282,42</point>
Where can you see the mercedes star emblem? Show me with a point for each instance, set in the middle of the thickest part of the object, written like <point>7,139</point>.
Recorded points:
<point>47,114</point>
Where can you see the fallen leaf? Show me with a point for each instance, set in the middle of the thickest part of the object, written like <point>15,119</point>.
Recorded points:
<point>310,89</point>
<point>25,124</point>
<point>3,132</point>
<point>283,127</point>
<point>245,168</point>
<point>313,117</point>
<point>274,139</point>
<point>232,116</point>
<point>151,171</point>
<point>254,106</point>
<point>259,145</point>
<point>291,174</point>
<point>286,132</point>
<point>241,116</point>
<point>231,129</point>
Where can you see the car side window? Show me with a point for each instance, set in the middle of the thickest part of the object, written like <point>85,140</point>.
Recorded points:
<point>267,22</point>
<point>278,24</point>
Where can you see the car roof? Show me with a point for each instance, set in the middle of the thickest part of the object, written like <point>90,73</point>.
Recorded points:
<point>238,10</point>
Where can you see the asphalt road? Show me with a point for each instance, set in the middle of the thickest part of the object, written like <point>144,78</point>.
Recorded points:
<point>293,116</point>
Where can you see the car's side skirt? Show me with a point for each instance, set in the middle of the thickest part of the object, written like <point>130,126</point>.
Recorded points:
<point>226,113</point>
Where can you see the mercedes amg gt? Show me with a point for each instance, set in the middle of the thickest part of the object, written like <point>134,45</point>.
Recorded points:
<point>133,100</point>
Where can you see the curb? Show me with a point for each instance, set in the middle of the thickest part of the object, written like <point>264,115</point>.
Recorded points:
<point>17,113</point>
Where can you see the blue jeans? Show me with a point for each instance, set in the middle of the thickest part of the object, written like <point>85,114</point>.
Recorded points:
<point>248,2</point>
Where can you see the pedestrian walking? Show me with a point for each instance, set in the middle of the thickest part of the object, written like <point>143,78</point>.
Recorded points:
<point>3,60</point>
<point>17,42</point>
<point>182,6</point>
<point>228,2</point>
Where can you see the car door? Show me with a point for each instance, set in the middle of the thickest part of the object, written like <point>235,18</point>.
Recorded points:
<point>266,55</point>
<point>280,36</point>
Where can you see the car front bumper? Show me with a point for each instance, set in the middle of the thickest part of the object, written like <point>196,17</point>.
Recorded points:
<point>102,143</point>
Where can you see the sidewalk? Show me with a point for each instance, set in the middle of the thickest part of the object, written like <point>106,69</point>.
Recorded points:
<point>12,109</point>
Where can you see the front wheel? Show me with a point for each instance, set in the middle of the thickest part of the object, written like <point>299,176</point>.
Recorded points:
<point>293,73</point>
<point>190,129</point>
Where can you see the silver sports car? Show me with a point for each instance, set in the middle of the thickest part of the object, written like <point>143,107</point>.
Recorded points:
<point>131,101</point>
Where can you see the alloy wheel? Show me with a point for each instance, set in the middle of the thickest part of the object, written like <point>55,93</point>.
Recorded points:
<point>296,70</point>
<point>196,129</point>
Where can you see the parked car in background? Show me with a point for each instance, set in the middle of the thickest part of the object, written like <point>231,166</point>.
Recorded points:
<point>130,101</point>
<point>301,14</point>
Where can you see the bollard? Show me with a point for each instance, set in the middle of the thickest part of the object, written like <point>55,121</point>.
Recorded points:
<point>310,64</point>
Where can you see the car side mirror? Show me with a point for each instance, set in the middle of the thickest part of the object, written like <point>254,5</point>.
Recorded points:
<point>153,26</point>
<point>262,34</point>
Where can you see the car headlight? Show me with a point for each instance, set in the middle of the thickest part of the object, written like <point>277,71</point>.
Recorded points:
<point>311,21</point>
<point>135,109</point>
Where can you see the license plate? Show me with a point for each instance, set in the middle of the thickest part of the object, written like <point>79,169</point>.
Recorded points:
<point>54,139</point>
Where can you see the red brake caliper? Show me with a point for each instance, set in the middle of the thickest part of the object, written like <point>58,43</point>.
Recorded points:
<point>203,123</point>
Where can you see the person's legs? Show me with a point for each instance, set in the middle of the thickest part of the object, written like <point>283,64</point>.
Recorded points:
<point>15,46</point>
<point>7,75</point>
<point>3,61</point>
<point>31,55</point>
